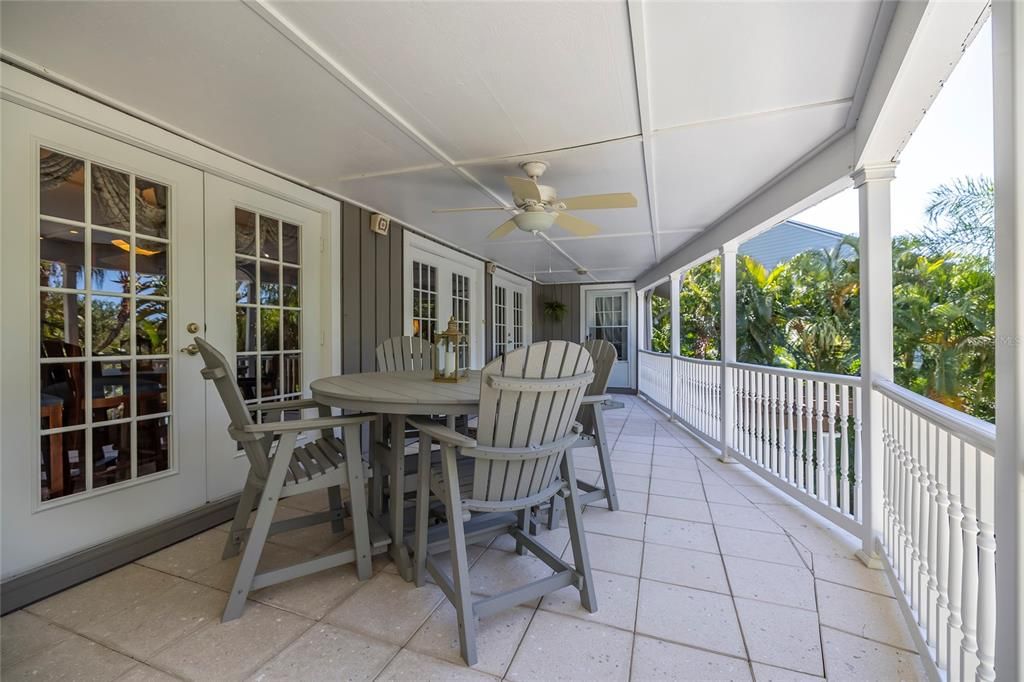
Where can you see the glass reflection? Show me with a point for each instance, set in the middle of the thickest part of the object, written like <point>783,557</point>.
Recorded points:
<point>270,376</point>
<point>61,186</point>
<point>270,319</point>
<point>61,255</point>
<point>150,327</point>
<point>111,316</point>
<point>111,454</point>
<point>270,285</point>
<point>291,330</point>
<point>270,240</point>
<point>153,438</point>
<point>245,232</point>
<point>151,267</point>
<point>151,386</point>
<point>111,204</point>
<point>61,397</point>
<point>111,262</point>
<point>245,332</point>
<point>247,376</point>
<point>290,287</point>
<point>292,379</point>
<point>150,208</point>
<point>111,390</point>
<point>62,321</point>
<point>60,460</point>
<point>290,243</point>
<point>245,281</point>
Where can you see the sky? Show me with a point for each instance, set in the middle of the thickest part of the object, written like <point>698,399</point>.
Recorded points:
<point>953,140</point>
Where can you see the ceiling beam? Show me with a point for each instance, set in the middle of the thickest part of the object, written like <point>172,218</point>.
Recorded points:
<point>643,99</point>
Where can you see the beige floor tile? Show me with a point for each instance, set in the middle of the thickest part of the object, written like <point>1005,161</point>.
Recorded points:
<point>687,616</point>
<point>103,596</point>
<point>686,567</point>
<point>742,517</point>
<point>558,647</point>
<point>775,583</point>
<point>638,484</point>
<point>662,473</point>
<point>608,553</point>
<point>190,557</point>
<point>222,574</point>
<point>679,508</point>
<point>629,501</point>
<point>151,624</point>
<point>616,597</point>
<point>781,635</point>
<point>632,446</point>
<point>654,659</point>
<point>497,637</point>
<point>496,572</point>
<point>852,573</point>
<point>414,667</point>
<point>74,658</point>
<point>725,494</point>
<point>325,652</point>
<point>631,468</point>
<point>685,534</point>
<point>314,595</point>
<point>314,501</point>
<point>630,456</point>
<point>673,461</point>
<point>765,494</point>
<point>23,635</point>
<point>768,673</point>
<point>145,673</point>
<point>387,607</point>
<point>691,491</point>
<point>862,613</point>
<point>755,544</point>
<point>233,650</point>
<point>313,539</point>
<point>829,543</point>
<point>852,658</point>
<point>622,524</point>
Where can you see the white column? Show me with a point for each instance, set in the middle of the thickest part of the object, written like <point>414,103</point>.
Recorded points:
<point>874,185</point>
<point>1008,93</point>
<point>727,343</point>
<point>673,348</point>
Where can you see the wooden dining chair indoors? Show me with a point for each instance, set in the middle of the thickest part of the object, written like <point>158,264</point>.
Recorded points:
<point>594,434</point>
<point>278,469</point>
<point>528,402</point>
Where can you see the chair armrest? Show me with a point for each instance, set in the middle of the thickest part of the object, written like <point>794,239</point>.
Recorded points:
<point>592,399</point>
<point>314,424</point>
<point>442,433</point>
<point>300,404</point>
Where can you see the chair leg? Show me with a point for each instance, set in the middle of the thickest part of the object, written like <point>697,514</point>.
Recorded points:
<point>241,521</point>
<point>377,484</point>
<point>555,510</point>
<point>581,558</point>
<point>523,515</point>
<point>260,528</point>
<point>604,455</point>
<point>357,496</point>
<point>422,510</point>
<point>460,561</point>
<point>338,507</point>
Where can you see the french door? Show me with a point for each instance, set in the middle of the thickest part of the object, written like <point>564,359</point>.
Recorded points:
<point>609,316</point>
<point>511,319</point>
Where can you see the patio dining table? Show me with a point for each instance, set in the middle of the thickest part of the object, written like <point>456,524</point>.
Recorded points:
<point>397,395</point>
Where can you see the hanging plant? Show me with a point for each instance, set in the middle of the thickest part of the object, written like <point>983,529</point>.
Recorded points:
<point>555,310</point>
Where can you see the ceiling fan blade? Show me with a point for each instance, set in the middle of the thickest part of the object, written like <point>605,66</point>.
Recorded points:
<point>524,188</point>
<point>614,200</point>
<point>578,226</point>
<point>503,230</point>
<point>478,208</point>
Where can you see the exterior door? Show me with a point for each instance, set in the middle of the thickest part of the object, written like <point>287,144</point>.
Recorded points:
<point>264,309</point>
<point>608,316</point>
<point>102,417</point>
<point>510,314</point>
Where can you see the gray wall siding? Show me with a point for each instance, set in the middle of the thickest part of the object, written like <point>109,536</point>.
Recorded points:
<point>568,329</point>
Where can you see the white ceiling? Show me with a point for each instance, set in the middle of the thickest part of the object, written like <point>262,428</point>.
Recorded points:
<point>410,106</point>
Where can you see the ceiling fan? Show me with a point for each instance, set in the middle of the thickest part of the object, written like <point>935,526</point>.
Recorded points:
<point>541,208</point>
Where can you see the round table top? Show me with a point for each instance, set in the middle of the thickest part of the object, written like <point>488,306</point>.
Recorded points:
<point>399,393</point>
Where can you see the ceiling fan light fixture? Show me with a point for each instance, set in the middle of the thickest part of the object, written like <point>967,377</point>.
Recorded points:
<point>534,221</point>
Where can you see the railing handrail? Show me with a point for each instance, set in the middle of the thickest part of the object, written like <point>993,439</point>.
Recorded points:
<point>977,432</point>
<point>698,361</point>
<point>844,379</point>
<point>657,354</point>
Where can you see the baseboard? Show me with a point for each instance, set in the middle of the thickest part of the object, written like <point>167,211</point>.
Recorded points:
<point>624,391</point>
<point>22,590</point>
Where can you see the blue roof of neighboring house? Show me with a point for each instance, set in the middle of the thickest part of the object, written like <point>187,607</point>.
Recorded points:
<point>787,239</point>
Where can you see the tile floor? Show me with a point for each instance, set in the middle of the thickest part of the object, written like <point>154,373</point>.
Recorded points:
<point>704,574</point>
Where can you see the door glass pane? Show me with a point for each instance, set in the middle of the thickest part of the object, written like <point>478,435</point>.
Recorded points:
<point>290,243</point>
<point>460,310</point>
<point>245,232</point>
<point>103,346</point>
<point>610,322</point>
<point>424,300</point>
<point>500,331</point>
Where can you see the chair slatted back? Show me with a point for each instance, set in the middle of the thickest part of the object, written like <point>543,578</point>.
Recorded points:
<point>604,355</point>
<point>405,353</point>
<point>218,370</point>
<point>528,399</point>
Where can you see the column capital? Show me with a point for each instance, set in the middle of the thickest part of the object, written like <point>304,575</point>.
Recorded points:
<point>729,247</point>
<point>873,173</point>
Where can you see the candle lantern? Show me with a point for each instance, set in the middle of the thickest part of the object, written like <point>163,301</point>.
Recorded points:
<point>446,354</point>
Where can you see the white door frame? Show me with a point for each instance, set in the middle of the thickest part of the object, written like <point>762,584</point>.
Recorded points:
<point>631,333</point>
<point>525,287</point>
<point>446,260</point>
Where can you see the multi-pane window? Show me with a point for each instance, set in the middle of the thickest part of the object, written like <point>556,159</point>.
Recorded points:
<point>610,322</point>
<point>460,311</point>
<point>500,320</point>
<point>268,307</point>
<point>517,319</point>
<point>104,300</point>
<point>424,300</point>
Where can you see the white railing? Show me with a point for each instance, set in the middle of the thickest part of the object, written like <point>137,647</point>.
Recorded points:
<point>805,428</point>
<point>938,482</point>
<point>698,391</point>
<point>655,377</point>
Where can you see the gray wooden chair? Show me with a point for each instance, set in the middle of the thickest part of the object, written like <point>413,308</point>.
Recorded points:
<point>591,418</point>
<point>404,353</point>
<point>528,401</point>
<point>278,469</point>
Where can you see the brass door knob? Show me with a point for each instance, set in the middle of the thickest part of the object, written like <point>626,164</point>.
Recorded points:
<point>191,349</point>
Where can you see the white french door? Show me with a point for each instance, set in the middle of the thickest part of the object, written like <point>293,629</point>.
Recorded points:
<point>609,315</point>
<point>102,417</point>
<point>263,302</point>
<point>511,319</point>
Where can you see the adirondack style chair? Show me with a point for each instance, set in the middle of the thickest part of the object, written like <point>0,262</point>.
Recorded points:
<point>279,469</point>
<point>591,418</point>
<point>528,402</point>
<point>404,353</point>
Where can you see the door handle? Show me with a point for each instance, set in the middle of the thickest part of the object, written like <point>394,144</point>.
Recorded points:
<point>191,349</point>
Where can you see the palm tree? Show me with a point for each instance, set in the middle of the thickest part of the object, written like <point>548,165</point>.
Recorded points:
<point>961,217</point>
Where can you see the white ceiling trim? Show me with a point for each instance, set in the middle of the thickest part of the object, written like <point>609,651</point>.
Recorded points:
<point>754,114</point>
<point>643,97</point>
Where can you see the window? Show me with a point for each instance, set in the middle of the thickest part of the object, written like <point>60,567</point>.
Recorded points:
<point>424,300</point>
<point>103,287</point>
